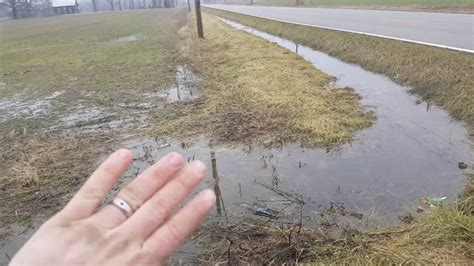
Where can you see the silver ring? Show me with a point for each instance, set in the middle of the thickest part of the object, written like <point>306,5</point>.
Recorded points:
<point>123,206</point>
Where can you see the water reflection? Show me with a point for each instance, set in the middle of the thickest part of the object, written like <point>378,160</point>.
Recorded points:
<point>220,206</point>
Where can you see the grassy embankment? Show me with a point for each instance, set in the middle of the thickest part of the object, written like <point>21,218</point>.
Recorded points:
<point>258,92</point>
<point>74,67</point>
<point>466,6</point>
<point>441,76</point>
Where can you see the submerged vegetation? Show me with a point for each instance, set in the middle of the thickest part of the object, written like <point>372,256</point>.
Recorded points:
<point>256,91</point>
<point>441,76</point>
<point>444,236</point>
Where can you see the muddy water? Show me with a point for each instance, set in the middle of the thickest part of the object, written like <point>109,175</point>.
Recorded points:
<point>185,87</point>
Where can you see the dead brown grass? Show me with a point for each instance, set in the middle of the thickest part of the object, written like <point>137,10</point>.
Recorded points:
<point>40,172</point>
<point>441,76</point>
<point>256,91</point>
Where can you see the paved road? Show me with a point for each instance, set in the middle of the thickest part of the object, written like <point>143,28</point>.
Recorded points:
<point>439,29</point>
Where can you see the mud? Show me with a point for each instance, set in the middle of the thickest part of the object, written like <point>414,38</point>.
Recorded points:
<point>20,105</point>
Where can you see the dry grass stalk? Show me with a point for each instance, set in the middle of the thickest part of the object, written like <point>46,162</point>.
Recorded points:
<point>258,91</point>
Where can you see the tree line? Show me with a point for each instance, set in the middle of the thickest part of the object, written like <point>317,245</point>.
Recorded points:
<point>39,8</point>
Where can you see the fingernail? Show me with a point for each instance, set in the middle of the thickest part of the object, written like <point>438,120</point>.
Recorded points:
<point>175,159</point>
<point>209,196</point>
<point>123,153</point>
<point>199,168</point>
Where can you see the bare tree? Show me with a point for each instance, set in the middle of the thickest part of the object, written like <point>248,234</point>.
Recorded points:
<point>13,5</point>
<point>120,4</point>
<point>111,2</point>
<point>94,4</point>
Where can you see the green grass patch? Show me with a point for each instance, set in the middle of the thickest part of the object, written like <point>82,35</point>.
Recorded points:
<point>256,91</point>
<point>96,59</point>
<point>438,75</point>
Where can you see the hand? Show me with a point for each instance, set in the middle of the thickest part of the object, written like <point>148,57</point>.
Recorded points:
<point>82,234</point>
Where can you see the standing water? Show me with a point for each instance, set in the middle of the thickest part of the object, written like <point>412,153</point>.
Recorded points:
<point>411,152</point>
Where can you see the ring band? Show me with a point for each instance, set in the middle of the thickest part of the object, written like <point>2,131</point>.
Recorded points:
<point>123,206</point>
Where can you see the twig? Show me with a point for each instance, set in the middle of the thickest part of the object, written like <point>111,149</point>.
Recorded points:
<point>281,193</point>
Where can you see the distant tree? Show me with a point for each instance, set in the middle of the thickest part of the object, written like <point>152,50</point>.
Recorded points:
<point>94,4</point>
<point>111,2</point>
<point>120,4</point>
<point>13,5</point>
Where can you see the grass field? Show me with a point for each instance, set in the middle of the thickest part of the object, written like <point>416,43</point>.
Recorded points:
<point>436,5</point>
<point>88,59</point>
<point>440,76</point>
<point>71,88</point>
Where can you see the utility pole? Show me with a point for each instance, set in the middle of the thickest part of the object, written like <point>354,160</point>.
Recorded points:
<point>189,6</point>
<point>197,4</point>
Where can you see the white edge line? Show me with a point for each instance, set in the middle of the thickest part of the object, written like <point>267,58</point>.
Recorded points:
<point>352,31</point>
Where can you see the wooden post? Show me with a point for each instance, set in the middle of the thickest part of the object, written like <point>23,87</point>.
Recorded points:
<point>189,6</point>
<point>197,4</point>
<point>215,176</point>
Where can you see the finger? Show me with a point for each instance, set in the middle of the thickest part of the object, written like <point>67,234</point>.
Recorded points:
<point>159,207</point>
<point>92,193</point>
<point>141,189</point>
<point>165,240</point>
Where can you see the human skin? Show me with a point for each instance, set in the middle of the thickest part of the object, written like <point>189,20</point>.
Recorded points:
<point>86,233</point>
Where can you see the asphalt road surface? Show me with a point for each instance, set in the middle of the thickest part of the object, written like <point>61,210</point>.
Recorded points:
<point>453,31</point>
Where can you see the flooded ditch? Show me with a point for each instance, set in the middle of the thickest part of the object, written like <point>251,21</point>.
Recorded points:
<point>412,151</point>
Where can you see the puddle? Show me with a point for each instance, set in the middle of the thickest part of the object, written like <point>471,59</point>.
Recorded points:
<point>81,116</point>
<point>185,87</point>
<point>130,38</point>
<point>16,106</point>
